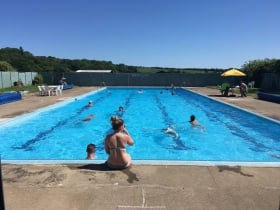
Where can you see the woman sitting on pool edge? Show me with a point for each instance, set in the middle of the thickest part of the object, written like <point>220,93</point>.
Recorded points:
<point>115,145</point>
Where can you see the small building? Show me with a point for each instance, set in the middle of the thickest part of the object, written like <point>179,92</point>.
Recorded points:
<point>94,71</point>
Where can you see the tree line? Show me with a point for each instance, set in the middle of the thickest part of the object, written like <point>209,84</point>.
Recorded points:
<point>16,59</point>
<point>255,69</point>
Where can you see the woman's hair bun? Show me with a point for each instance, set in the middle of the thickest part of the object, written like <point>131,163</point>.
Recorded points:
<point>113,118</point>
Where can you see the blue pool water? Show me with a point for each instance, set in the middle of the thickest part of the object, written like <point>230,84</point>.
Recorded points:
<point>57,132</point>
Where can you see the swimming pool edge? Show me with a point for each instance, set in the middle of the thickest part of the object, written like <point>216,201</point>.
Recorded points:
<point>145,162</point>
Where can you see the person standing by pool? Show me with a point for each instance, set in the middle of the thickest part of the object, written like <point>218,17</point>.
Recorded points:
<point>62,81</point>
<point>91,148</point>
<point>115,144</point>
<point>243,89</point>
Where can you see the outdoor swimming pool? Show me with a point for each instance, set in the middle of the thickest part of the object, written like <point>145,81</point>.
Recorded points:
<point>58,133</point>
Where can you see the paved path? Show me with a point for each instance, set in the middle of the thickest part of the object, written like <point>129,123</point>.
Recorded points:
<point>82,187</point>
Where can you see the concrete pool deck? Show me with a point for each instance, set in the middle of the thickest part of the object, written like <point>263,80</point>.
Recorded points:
<point>71,186</point>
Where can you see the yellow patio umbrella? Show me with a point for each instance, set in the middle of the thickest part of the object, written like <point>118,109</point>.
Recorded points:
<point>233,72</point>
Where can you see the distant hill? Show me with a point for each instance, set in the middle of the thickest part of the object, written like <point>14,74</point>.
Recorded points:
<point>22,61</point>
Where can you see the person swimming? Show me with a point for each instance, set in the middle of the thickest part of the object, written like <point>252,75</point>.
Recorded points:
<point>273,155</point>
<point>91,148</point>
<point>195,123</point>
<point>88,118</point>
<point>90,104</point>
<point>85,107</point>
<point>120,111</point>
<point>171,132</point>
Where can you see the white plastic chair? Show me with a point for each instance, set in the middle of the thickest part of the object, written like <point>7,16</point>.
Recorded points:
<point>42,90</point>
<point>56,90</point>
<point>59,89</point>
<point>251,84</point>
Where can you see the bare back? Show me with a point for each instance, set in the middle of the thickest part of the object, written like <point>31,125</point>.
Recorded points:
<point>115,146</point>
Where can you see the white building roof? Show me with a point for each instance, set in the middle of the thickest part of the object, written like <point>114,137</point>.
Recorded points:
<point>95,71</point>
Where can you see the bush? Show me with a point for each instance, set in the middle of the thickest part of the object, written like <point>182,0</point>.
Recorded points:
<point>38,80</point>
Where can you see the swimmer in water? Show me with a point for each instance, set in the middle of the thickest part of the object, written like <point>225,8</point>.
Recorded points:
<point>121,110</point>
<point>171,132</point>
<point>195,123</point>
<point>91,148</point>
<point>88,118</point>
<point>273,155</point>
<point>90,104</point>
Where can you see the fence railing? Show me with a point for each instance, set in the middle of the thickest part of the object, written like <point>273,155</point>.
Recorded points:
<point>8,79</point>
<point>133,79</point>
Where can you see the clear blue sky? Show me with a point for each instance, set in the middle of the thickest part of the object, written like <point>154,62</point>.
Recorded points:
<point>166,33</point>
